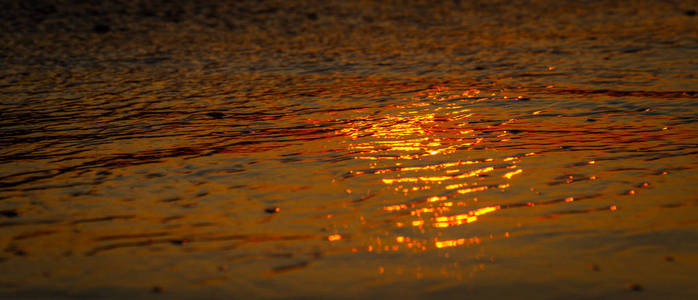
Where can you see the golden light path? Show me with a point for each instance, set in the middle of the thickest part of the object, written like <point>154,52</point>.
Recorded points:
<point>423,132</point>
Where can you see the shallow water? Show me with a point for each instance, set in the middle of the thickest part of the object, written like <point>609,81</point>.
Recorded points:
<point>353,149</point>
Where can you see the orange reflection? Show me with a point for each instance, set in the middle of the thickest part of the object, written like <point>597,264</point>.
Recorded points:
<point>395,207</point>
<point>418,223</point>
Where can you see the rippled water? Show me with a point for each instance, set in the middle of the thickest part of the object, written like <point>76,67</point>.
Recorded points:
<point>350,149</point>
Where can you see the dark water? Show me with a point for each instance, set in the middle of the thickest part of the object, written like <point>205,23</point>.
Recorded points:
<point>292,149</point>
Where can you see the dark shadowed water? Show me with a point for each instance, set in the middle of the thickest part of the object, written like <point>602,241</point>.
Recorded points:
<point>349,149</point>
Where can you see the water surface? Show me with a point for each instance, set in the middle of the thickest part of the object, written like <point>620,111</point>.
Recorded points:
<point>540,150</point>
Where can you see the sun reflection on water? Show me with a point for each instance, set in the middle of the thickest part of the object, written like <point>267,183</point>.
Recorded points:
<point>428,141</point>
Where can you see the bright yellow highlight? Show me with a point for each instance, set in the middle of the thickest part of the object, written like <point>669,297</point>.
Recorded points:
<point>470,190</point>
<point>469,217</point>
<point>395,207</point>
<point>437,178</point>
<point>511,174</point>
<point>436,198</point>
<point>457,242</point>
<point>455,186</point>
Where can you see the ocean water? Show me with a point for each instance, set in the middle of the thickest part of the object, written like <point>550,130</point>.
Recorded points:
<point>349,149</point>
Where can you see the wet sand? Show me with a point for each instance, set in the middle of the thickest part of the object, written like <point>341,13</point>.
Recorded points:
<point>348,149</point>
